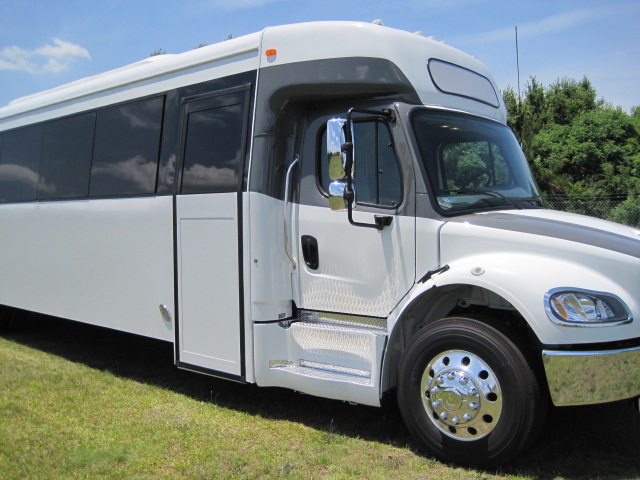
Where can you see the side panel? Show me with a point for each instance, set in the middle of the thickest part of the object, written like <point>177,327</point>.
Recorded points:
<point>208,282</point>
<point>362,271</point>
<point>104,262</point>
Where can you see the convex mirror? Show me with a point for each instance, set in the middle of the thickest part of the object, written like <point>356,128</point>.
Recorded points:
<point>337,161</point>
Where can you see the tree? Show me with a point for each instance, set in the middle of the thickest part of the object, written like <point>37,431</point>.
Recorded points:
<point>566,99</point>
<point>577,144</point>
<point>597,153</point>
<point>527,116</point>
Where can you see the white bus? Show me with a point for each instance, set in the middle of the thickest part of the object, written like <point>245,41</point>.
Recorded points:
<point>335,208</point>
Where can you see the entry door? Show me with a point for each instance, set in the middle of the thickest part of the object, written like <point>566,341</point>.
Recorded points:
<point>345,268</point>
<point>208,215</point>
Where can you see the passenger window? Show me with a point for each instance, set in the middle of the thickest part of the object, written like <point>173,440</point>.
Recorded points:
<point>376,174</point>
<point>213,149</point>
<point>66,158</point>
<point>127,144</point>
<point>19,161</point>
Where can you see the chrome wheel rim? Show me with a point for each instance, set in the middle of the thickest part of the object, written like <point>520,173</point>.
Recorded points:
<point>461,395</point>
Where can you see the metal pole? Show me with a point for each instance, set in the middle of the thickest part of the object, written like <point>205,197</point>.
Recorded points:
<point>518,65</point>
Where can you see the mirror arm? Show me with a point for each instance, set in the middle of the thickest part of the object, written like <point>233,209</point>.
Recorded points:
<point>381,221</point>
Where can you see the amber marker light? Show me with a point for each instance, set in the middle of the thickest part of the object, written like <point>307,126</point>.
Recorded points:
<point>271,52</point>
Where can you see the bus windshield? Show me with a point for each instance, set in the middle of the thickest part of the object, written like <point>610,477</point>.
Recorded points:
<point>473,164</point>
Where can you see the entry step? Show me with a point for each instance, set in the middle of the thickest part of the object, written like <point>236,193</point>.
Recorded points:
<point>376,326</point>
<point>323,371</point>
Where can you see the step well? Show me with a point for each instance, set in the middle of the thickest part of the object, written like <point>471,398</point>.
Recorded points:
<point>330,355</point>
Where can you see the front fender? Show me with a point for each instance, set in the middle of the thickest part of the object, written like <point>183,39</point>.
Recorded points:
<point>522,280</point>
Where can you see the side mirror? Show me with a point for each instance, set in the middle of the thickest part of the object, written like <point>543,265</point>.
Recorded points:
<point>337,196</point>
<point>340,158</point>
<point>337,161</point>
<point>336,157</point>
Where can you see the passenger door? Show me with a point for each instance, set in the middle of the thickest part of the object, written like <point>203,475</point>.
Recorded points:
<point>208,216</point>
<point>345,268</point>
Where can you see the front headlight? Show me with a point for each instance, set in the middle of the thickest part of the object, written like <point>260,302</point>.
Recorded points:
<point>574,307</point>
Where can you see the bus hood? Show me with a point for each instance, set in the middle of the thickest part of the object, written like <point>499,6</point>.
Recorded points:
<point>565,226</point>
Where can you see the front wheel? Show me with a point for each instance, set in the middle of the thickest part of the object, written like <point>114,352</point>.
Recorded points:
<point>467,393</point>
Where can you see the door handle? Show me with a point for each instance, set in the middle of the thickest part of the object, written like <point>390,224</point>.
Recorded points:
<point>310,252</point>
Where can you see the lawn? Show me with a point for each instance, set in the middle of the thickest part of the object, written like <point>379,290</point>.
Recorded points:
<point>82,402</point>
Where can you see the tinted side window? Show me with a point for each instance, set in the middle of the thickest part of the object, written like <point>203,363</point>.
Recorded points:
<point>19,161</point>
<point>127,143</point>
<point>213,146</point>
<point>376,174</point>
<point>66,157</point>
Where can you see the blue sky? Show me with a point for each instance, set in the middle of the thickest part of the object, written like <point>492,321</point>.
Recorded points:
<point>46,43</point>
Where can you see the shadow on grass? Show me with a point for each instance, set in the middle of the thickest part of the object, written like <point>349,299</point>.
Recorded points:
<point>577,443</point>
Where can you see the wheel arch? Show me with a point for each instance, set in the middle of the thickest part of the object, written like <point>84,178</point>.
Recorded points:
<point>463,300</point>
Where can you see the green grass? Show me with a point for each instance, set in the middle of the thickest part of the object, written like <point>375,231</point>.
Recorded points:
<point>83,402</point>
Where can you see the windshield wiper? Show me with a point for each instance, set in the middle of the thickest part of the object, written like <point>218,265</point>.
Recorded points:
<point>491,193</point>
<point>536,200</point>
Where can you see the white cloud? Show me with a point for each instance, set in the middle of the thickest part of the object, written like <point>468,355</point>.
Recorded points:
<point>552,24</point>
<point>45,59</point>
<point>62,49</point>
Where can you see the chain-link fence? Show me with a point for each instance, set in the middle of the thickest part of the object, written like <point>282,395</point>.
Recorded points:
<point>618,208</point>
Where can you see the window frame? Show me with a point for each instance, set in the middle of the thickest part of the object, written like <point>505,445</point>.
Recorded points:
<point>43,154</point>
<point>95,111</point>
<point>243,93</point>
<point>163,98</point>
<point>38,146</point>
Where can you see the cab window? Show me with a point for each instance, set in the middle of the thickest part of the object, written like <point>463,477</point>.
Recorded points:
<point>376,175</point>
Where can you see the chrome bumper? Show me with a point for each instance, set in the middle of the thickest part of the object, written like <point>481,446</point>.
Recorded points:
<point>582,378</point>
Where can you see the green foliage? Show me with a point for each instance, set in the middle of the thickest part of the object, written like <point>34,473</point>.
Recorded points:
<point>567,99</point>
<point>577,145</point>
<point>595,154</point>
<point>159,51</point>
<point>628,212</point>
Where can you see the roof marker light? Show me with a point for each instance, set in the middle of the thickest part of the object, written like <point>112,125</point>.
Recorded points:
<point>271,52</point>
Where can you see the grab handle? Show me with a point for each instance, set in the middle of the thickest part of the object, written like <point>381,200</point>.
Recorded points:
<point>287,186</point>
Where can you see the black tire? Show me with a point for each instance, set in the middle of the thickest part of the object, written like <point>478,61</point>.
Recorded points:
<point>480,403</point>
